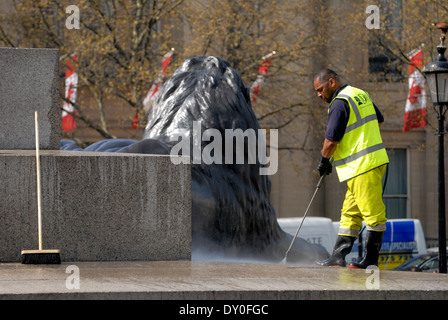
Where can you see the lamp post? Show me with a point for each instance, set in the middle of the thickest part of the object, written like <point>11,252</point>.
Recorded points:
<point>437,77</point>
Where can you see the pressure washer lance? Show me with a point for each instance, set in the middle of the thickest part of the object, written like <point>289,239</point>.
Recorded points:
<point>319,184</point>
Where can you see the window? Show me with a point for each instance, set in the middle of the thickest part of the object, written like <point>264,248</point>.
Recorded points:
<point>395,195</point>
<point>383,64</point>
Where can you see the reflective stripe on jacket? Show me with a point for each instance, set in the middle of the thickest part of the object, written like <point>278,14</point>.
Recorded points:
<point>361,148</point>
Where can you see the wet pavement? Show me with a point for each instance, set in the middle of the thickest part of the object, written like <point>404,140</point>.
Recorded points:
<point>208,280</point>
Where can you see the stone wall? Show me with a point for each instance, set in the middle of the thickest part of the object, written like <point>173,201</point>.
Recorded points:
<point>29,81</point>
<point>96,206</point>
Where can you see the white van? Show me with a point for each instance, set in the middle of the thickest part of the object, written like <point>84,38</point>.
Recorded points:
<point>316,230</point>
<point>402,240</point>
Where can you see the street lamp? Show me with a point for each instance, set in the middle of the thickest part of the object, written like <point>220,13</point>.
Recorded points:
<point>437,77</point>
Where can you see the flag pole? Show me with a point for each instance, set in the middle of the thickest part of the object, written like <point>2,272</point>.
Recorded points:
<point>263,68</point>
<point>154,90</point>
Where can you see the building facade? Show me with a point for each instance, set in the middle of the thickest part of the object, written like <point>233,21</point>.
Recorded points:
<point>364,59</point>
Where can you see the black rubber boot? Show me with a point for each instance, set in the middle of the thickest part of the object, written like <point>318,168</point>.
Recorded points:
<point>342,247</point>
<point>374,240</point>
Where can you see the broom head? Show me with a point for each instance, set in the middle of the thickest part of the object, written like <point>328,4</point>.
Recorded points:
<point>41,257</point>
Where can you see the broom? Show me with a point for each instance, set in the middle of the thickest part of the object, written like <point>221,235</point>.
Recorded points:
<point>39,256</point>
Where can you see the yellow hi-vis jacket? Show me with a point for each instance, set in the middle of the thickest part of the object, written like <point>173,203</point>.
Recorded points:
<point>361,149</point>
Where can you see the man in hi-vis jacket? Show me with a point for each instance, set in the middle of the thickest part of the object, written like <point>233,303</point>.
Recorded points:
<point>354,141</point>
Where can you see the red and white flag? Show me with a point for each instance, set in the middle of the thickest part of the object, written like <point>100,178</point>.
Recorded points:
<point>415,115</point>
<point>154,90</point>
<point>71,82</point>
<point>262,71</point>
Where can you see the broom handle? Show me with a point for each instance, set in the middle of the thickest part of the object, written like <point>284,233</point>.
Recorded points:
<point>39,210</point>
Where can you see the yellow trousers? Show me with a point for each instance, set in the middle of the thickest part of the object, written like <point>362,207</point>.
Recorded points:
<point>364,201</point>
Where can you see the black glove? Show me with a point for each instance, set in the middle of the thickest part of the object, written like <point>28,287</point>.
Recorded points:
<point>324,166</point>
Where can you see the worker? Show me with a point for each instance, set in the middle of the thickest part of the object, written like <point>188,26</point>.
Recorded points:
<point>354,141</point>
